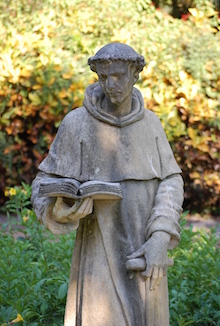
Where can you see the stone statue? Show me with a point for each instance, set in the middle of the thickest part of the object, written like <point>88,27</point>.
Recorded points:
<point>119,265</point>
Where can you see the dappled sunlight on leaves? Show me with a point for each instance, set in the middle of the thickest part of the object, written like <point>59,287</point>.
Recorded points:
<point>43,62</point>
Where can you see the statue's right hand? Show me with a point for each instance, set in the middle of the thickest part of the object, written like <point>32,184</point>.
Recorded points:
<point>64,213</point>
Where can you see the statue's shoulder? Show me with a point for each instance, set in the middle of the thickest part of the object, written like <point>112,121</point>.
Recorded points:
<point>75,116</point>
<point>151,117</point>
<point>154,124</point>
<point>73,121</point>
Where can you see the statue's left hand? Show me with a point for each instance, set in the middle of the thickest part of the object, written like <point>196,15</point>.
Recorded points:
<point>155,252</point>
<point>63,213</point>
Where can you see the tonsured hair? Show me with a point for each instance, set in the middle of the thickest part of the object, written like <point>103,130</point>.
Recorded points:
<point>118,52</point>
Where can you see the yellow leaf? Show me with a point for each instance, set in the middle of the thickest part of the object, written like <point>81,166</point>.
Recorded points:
<point>122,35</point>
<point>64,102</point>
<point>203,147</point>
<point>40,80</point>
<point>173,122</point>
<point>44,59</point>
<point>66,76</point>
<point>51,81</point>
<point>195,175</point>
<point>57,68</point>
<point>147,93</point>
<point>54,104</point>
<point>149,69</point>
<point>14,97</point>
<point>24,101</point>
<point>196,13</point>
<point>26,71</point>
<point>25,83</point>
<point>35,99</point>
<point>9,131</point>
<point>194,91</point>
<point>183,75</point>
<point>37,86</point>
<point>57,61</point>
<point>51,100</point>
<point>158,98</point>
<point>62,94</point>
<point>195,139</point>
<point>5,73</point>
<point>192,133</point>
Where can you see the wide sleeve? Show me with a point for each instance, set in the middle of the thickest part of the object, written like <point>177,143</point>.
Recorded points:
<point>167,208</point>
<point>43,207</point>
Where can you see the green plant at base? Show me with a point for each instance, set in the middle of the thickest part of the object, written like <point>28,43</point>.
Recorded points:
<point>194,281</point>
<point>35,268</point>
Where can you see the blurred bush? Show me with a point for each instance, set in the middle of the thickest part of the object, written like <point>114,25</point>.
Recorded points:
<point>44,49</point>
<point>180,8</point>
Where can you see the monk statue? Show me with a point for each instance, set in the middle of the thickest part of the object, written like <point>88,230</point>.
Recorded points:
<point>119,267</point>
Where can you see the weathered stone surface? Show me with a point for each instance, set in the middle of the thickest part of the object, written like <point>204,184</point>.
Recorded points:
<point>113,138</point>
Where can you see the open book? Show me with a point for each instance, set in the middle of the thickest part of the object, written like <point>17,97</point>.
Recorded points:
<point>71,188</point>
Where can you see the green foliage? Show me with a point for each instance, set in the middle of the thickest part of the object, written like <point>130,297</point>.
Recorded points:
<point>44,48</point>
<point>194,281</point>
<point>35,269</point>
<point>34,266</point>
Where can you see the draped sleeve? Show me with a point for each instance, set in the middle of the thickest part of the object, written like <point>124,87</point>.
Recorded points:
<point>43,207</point>
<point>167,208</point>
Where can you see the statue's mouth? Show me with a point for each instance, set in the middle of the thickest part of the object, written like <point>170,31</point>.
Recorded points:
<point>113,93</point>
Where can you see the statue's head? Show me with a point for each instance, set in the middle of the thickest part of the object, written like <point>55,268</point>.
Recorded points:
<point>117,66</point>
<point>118,52</point>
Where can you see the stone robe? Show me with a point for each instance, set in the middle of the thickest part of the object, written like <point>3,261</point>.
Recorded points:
<point>133,150</point>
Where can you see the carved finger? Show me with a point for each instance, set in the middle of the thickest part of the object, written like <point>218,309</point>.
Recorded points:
<point>58,209</point>
<point>75,206</point>
<point>136,254</point>
<point>147,273</point>
<point>154,278</point>
<point>83,207</point>
<point>165,270</point>
<point>160,275</point>
<point>58,203</point>
<point>59,200</point>
<point>89,207</point>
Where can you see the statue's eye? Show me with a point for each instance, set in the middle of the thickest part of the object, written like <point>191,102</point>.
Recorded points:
<point>102,77</point>
<point>118,76</point>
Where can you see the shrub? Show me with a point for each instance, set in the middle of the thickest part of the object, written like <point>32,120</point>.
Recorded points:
<point>44,72</point>
<point>181,86</point>
<point>38,86</point>
<point>35,268</point>
<point>194,280</point>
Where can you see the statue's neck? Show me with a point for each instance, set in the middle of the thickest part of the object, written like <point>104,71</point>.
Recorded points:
<point>117,110</point>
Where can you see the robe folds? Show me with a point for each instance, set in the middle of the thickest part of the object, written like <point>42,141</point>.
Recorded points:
<point>133,150</point>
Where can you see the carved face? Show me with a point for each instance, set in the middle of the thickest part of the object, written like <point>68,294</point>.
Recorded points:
<point>116,79</point>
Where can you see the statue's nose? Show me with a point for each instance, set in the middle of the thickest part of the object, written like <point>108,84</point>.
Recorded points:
<point>110,83</point>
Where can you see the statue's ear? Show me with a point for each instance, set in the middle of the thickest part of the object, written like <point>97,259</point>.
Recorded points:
<point>135,77</point>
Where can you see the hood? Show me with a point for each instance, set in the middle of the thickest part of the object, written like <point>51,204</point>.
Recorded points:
<point>94,97</point>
